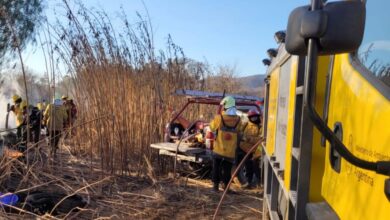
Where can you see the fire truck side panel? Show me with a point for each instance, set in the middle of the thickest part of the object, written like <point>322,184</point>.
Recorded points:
<point>290,123</point>
<point>272,111</point>
<point>364,115</point>
<point>318,151</point>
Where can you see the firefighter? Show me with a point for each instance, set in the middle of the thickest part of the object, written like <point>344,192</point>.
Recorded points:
<point>35,121</point>
<point>72,114</point>
<point>71,110</point>
<point>23,125</point>
<point>42,106</point>
<point>65,104</point>
<point>227,127</point>
<point>251,135</point>
<point>54,118</point>
<point>65,100</point>
<point>18,111</point>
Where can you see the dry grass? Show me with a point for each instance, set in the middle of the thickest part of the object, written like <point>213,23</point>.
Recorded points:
<point>119,196</point>
<point>123,89</point>
<point>120,73</point>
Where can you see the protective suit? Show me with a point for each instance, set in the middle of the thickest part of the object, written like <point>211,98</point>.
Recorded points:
<point>54,117</point>
<point>19,110</point>
<point>251,135</point>
<point>227,128</point>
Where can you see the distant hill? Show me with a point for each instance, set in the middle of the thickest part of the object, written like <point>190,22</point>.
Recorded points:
<point>252,85</point>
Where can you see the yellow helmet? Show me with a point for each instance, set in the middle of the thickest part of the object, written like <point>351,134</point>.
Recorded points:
<point>39,106</point>
<point>15,98</point>
<point>64,97</point>
<point>228,102</point>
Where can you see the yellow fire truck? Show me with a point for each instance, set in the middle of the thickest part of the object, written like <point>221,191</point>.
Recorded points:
<point>327,113</point>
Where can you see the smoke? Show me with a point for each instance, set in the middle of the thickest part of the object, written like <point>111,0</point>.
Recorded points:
<point>39,89</point>
<point>8,87</point>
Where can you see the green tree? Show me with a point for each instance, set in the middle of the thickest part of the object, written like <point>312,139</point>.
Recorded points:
<point>18,23</point>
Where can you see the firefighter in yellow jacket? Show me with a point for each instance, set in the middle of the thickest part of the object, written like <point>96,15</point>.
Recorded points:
<point>251,135</point>
<point>42,106</point>
<point>227,127</point>
<point>54,118</point>
<point>18,109</point>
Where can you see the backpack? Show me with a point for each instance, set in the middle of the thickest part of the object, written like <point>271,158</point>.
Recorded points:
<point>227,139</point>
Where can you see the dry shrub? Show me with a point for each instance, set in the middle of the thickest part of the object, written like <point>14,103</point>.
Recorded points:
<point>119,76</point>
<point>123,89</point>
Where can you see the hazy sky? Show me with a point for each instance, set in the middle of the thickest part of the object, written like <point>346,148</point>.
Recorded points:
<point>223,32</point>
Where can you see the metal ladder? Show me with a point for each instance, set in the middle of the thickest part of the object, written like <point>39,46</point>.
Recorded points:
<point>301,152</point>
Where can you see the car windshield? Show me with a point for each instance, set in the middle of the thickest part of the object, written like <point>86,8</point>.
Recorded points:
<point>374,52</point>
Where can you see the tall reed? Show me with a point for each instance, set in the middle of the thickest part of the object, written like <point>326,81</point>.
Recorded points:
<point>121,74</point>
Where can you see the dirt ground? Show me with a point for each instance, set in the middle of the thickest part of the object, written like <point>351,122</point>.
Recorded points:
<point>174,200</point>
<point>138,197</point>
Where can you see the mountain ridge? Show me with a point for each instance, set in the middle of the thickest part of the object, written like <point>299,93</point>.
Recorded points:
<point>252,85</point>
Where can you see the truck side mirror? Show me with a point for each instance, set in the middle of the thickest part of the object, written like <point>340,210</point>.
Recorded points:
<point>338,26</point>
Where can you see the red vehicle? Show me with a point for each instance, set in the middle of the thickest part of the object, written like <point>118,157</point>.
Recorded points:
<point>190,142</point>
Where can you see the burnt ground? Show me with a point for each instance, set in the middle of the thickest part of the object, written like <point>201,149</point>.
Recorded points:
<point>130,196</point>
